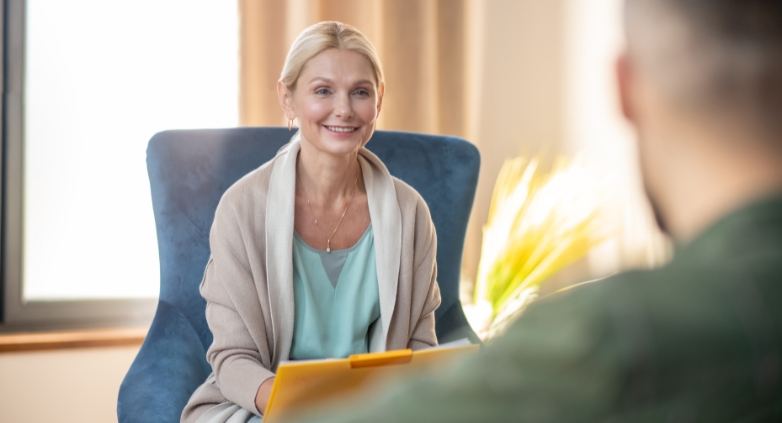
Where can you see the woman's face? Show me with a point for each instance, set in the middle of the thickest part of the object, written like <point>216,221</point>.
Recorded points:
<point>336,101</point>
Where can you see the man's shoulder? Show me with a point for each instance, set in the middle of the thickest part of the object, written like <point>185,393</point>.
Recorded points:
<point>677,307</point>
<point>593,296</point>
<point>674,292</point>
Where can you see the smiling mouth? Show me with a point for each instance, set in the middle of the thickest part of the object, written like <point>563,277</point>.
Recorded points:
<point>341,129</point>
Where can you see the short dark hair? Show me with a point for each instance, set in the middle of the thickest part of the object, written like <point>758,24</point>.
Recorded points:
<point>718,53</point>
<point>758,22</point>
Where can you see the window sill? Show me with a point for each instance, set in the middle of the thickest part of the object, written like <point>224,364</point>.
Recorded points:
<point>88,338</point>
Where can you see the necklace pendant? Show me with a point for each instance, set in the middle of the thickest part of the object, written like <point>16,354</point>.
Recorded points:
<point>328,246</point>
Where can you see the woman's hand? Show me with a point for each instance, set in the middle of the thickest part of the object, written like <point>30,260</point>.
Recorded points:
<point>262,396</point>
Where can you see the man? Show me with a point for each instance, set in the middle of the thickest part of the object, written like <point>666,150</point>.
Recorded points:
<point>700,339</point>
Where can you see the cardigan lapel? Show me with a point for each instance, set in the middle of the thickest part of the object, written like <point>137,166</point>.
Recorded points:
<point>280,208</point>
<point>387,228</point>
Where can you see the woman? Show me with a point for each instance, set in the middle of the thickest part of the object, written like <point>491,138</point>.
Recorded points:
<point>319,253</point>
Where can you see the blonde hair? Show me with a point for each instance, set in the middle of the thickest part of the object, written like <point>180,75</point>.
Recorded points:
<point>324,36</point>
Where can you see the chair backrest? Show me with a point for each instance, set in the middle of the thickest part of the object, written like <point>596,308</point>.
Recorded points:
<point>189,170</point>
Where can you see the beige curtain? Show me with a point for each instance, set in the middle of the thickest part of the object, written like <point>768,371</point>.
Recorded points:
<point>421,45</point>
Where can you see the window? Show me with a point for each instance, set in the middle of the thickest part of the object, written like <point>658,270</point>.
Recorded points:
<point>87,83</point>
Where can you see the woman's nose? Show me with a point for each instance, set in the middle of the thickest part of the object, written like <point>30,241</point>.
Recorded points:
<point>343,108</point>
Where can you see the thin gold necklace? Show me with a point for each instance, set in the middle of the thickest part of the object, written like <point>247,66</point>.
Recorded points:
<point>328,239</point>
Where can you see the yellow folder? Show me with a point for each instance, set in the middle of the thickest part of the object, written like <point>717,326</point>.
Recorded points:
<point>300,384</point>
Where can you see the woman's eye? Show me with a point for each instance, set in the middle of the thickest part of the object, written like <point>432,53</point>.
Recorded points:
<point>322,91</point>
<point>362,92</point>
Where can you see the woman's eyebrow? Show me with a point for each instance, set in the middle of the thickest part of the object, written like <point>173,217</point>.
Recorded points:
<point>321,79</point>
<point>329,81</point>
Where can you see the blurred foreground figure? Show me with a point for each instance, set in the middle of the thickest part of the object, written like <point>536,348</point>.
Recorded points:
<point>699,340</point>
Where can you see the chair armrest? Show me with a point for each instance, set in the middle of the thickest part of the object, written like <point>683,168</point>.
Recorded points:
<point>167,370</point>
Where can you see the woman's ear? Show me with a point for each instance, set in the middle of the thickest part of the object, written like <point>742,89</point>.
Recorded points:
<point>380,91</point>
<point>285,96</point>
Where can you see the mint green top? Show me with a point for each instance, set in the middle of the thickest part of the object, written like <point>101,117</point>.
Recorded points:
<point>336,299</point>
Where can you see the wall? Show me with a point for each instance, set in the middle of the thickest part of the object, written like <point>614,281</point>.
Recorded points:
<point>63,386</point>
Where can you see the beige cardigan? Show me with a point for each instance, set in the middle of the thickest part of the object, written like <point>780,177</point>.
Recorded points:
<point>248,281</point>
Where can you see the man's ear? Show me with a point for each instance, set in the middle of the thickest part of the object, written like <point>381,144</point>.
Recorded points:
<point>624,80</point>
<point>380,91</point>
<point>285,96</point>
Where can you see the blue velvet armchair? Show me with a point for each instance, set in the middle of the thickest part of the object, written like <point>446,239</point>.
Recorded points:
<point>189,171</point>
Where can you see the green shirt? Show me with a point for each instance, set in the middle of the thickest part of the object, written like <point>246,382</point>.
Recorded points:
<point>336,299</point>
<point>698,340</point>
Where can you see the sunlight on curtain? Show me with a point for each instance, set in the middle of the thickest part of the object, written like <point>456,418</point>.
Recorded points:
<point>421,44</point>
<point>101,78</point>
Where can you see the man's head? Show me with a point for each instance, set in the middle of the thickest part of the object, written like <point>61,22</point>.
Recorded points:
<point>701,80</point>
